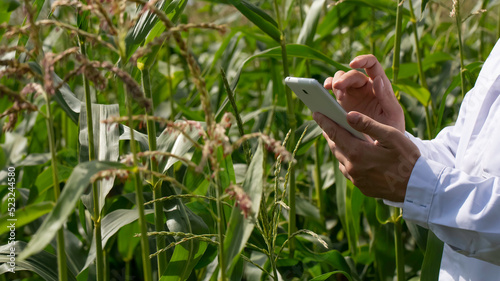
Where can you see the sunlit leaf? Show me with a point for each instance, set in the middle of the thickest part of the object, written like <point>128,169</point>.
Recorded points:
<point>258,17</point>
<point>310,25</point>
<point>77,183</point>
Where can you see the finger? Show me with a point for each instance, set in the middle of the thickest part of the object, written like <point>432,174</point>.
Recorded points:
<point>371,65</point>
<point>385,96</point>
<point>328,83</point>
<point>336,151</point>
<point>344,172</point>
<point>385,135</point>
<point>352,79</point>
<point>344,140</point>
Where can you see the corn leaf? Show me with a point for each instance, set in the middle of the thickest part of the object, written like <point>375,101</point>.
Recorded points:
<point>310,25</point>
<point>387,6</point>
<point>240,227</point>
<point>258,17</point>
<point>187,254</point>
<point>420,93</point>
<point>111,224</point>
<point>77,183</point>
<point>37,5</point>
<point>424,4</point>
<point>329,275</point>
<point>25,215</point>
<point>176,143</point>
<point>432,258</point>
<point>127,245</point>
<point>43,263</point>
<point>106,146</point>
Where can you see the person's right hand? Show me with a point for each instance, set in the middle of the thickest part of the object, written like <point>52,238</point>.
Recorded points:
<point>372,95</point>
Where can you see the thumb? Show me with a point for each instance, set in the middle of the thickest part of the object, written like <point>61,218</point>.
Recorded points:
<point>382,133</point>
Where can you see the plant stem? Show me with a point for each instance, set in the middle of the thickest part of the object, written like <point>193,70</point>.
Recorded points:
<point>158,206</point>
<point>418,52</point>
<point>230,95</point>
<point>498,23</point>
<point>317,176</point>
<point>127,270</point>
<point>397,44</point>
<point>136,178</point>
<point>170,82</point>
<point>61,252</point>
<point>220,226</point>
<point>482,28</point>
<point>400,260</point>
<point>293,124</point>
<point>458,18</point>
<point>395,69</point>
<point>95,192</point>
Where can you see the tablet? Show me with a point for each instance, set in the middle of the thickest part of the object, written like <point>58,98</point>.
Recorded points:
<point>318,99</point>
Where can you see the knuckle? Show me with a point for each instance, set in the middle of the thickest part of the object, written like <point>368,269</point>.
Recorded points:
<point>351,170</point>
<point>354,155</point>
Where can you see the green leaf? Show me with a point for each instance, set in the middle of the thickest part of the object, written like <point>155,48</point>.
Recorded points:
<point>45,180</point>
<point>3,159</point>
<point>9,5</point>
<point>331,276</point>
<point>111,224</point>
<point>106,146</point>
<point>407,70</point>
<point>240,227</point>
<point>258,17</point>
<point>37,5</point>
<point>25,215</point>
<point>126,245</point>
<point>308,30</point>
<point>176,143</point>
<point>181,219</point>
<point>387,6</point>
<point>424,4</point>
<point>432,258</point>
<point>43,263</point>
<point>382,212</point>
<point>313,132</point>
<point>149,27</point>
<point>34,159</point>
<point>420,93</point>
<point>76,184</point>
<point>138,33</point>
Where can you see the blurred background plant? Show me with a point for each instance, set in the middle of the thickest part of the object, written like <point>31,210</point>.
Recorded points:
<point>156,140</point>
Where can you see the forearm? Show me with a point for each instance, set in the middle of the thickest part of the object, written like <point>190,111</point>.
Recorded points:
<point>462,210</point>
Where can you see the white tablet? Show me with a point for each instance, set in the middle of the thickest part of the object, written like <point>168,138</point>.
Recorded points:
<point>318,99</point>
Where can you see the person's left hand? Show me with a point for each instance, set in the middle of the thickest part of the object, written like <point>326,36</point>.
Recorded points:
<point>381,168</point>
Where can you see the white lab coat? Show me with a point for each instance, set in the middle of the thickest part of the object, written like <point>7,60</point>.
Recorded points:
<point>454,188</point>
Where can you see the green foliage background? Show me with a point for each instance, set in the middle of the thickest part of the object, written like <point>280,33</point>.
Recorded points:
<point>198,228</point>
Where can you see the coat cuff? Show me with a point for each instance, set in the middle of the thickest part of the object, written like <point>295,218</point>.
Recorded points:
<point>420,191</point>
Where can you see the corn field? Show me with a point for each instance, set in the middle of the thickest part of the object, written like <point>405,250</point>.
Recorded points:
<point>156,140</point>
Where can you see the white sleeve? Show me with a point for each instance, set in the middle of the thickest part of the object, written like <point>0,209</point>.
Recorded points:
<point>462,210</point>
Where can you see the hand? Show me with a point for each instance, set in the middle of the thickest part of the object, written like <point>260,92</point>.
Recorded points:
<point>379,169</point>
<point>372,96</point>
